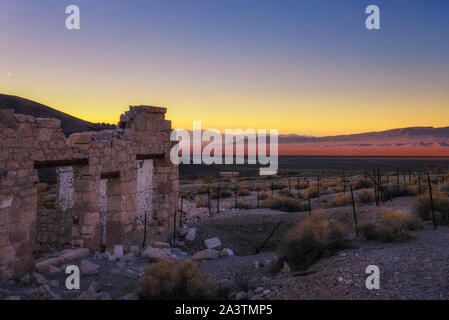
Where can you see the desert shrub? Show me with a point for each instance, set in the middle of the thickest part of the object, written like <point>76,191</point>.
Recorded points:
<point>224,193</point>
<point>243,192</point>
<point>202,203</point>
<point>263,195</point>
<point>283,204</point>
<point>241,205</point>
<point>311,192</point>
<point>201,189</point>
<point>441,207</point>
<point>189,195</point>
<point>260,187</point>
<point>340,200</point>
<point>167,280</point>
<point>365,196</point>
<point>314,238</point>
<point>445,188</point>
<point>127,288</point>
<point>389,226</point>
<point>277,186</point>
<point>287,193</point>
<point>360,184</point>
<point>401,191</point>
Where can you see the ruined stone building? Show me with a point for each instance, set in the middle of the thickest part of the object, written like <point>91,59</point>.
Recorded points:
<point>109,183</point>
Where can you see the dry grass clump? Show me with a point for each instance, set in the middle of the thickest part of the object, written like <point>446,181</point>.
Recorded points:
<point>445,188</point>
<point>396,191</point>
<point>241,205</point>
<point>277,186</point>
<point>389,226</point>
<point>311,192</point>
<point>362,184</point>
<point>284,204</point>
<point>167,280</point>
<point>441,207</point>
<point>224,193</point>
<point>243,192</point>
<point>287,193</point>
<point>263,195</point>
<point>314,238</point>
<point>340,200</point>
<point>201,189</point>
<point>202,203</point>
<point>365,196</point>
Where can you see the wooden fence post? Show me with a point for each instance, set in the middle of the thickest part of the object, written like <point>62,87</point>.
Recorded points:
<point>218,198</point>
<point>208,197</point>
<point>355,215</point>
<point>431,202</point>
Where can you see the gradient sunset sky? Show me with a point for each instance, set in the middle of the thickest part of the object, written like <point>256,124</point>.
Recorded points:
<point>305,67</point>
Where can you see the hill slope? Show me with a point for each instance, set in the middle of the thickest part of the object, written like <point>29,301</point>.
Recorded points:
<point>69,123</point>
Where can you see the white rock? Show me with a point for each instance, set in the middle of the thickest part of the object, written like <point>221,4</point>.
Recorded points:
<point>155,254</point>
<point>206,254</point>
<point>118,251</point>
<point>265,292</point>
<point>191,235</point>
<point>161,245</point>
<point>212,243</point>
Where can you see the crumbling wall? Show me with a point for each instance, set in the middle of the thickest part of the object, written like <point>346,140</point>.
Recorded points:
<point>27,143</point>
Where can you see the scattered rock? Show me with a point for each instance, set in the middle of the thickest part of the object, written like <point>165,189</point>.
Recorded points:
<point>26,279</point>
<point>44,293</point>
<point>54,284</point>
<point>105,296</point>
<point>161,245</point>
<point>118,251</point>
<point>212,243</point>
<point>40,279</point>
<point>191,235</point>
<point>64,257</point>
<point>130,296</point>
<point>131,274</point>
<point>258,290</point>
<point>135,250</point>
<point>89,294</point>
<point>265,292</point>
<point>88,268</point>
<point>227,252</point>
<point>206,254</point>
<point>111,257</point>
<point>256,264</point>
<point>241,296</point>
<point>53,270</point>
<point>285,267</point>
<point>155,254</point>
<point>128,258</point>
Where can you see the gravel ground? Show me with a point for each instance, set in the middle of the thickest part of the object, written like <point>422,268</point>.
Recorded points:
<point>416,269</point>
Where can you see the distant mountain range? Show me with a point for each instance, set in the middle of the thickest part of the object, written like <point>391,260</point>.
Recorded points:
<point>69,123</point>
<point>411,141</point>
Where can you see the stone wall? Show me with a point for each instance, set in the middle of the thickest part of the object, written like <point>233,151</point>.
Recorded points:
<point>114,156</point>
